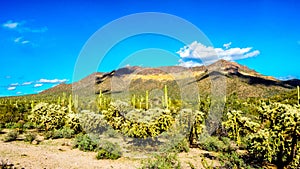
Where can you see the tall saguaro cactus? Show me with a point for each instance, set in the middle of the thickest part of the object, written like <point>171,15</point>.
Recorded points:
<point>298,95</point>
<point>133,101</point>
<point>70,104</point>
<point>147,100</point>
<point>166,100</point>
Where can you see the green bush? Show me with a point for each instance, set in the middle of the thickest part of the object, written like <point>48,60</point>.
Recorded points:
<point>85,143</point>
<point>65,132</point>
<point>9,125</point>
<point>108,150</point>
<point>111,133</point>
<point>162,161</point>
<point>177,144</point>
<point>11,136</point>
<point>211,143</point>
<point>232,160</point>
<point>29,125</point>
<point>29,137</point>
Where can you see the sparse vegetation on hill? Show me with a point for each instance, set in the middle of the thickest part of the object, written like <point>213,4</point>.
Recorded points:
<point>260,124</point>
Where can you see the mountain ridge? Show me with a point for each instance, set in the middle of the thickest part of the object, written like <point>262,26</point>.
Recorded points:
<point>239,79</point>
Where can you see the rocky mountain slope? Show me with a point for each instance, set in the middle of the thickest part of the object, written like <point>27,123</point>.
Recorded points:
<point>233,77</point>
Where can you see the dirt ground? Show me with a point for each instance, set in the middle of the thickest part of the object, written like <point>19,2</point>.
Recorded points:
<point>59,154</point>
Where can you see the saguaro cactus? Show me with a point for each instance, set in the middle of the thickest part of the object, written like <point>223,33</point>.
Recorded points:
<point>166,99</point>
<point>298,95</point>
<point>70,104</point>
<point>100,99</point>
<point>133,101</point>
<point>147,100</point>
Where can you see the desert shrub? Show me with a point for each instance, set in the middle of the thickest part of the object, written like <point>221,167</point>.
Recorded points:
<point>65,132</point>
<point>232,160</point>
<point>11,112</point>
<point>48,135</point>
<point>211,143</point>
<point>162,161</point>
<point>11,136</point>
<point>92,122</point>
<point>29,137</point>
<point>29,125</point>
<point>85,143</point>
<point>111,133</point>
<point>9,125</point>
<point>108,150</point>
<point>56,134</point>
<point>176,144</point>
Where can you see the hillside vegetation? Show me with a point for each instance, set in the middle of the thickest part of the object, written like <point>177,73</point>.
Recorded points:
<point>258,127</point>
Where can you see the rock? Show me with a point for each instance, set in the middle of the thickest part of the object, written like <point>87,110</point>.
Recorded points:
<point>34,142</point>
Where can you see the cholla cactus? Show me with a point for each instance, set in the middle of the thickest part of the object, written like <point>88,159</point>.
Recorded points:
<point>48,116</point>
<point>278,139</point>
<point>73,121</point>
<point>138,123</point>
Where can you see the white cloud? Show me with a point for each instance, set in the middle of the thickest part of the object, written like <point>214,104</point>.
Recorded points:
<point>25,42</point>
<point>54,85</point>
<point>27,83</point>
<point>227,45</point>
<point>189,63</point>
<point>197,53</point>
<point>38,85</point>
<point>38,91</point>
<point>11,88</point>
<point>19,27</point>
<point>52,80</point>
<point>20,40</point>
<point>39,30</point>
<point>10,24</point>
<point>19,93</point>
<point>289,77</point>
<point>14,84</point>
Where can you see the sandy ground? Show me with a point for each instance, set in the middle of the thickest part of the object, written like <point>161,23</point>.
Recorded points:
<point>51,154</point>
<point>59,154</point>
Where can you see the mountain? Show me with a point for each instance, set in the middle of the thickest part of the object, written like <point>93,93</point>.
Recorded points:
<point>237,78</point>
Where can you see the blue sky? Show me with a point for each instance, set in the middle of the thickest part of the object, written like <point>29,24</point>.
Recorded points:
<point>40,41</point>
